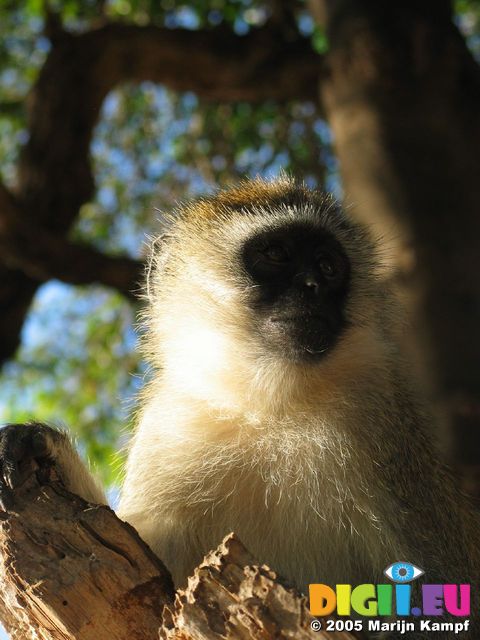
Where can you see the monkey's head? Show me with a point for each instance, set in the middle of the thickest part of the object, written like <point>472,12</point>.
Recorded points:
<point>266,272</point>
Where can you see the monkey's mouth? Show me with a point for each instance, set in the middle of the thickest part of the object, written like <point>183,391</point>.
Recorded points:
<point>301,337</point>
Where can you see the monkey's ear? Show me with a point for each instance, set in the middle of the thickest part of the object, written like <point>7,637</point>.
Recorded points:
<point>158,244</point>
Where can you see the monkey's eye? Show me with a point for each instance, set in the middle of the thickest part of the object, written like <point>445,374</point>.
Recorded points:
<point>275,253</point>
<point>403,572</point>
<point>327,266</point>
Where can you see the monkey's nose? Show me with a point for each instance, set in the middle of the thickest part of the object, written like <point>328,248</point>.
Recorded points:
<point>312,283</point>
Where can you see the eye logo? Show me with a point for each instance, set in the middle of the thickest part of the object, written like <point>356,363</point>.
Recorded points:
<point>378,600</point>
<point>403,572</point>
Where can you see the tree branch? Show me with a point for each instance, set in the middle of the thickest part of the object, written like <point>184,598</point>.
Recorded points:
<point>215,64</point>
<point>47,257</point>
<point>231,597</point>
<point>42,256</point>
<point>70,570</point>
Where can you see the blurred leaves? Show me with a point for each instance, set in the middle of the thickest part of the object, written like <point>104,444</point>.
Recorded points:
<point>76,366</point>
<point>23,50</point>
<point>467,16</point>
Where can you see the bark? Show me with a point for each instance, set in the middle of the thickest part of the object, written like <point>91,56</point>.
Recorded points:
<point>72,570</point>
<point>231,597</point>
<point>69,570</point>
<point>55,176</point>
<point>401,92</point>
<point>42,255</point>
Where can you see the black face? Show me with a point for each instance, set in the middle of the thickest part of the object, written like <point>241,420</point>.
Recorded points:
<point>300,278</point>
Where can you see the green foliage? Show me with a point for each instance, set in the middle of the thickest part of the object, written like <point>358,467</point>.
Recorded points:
<point>23,50</point>
<point>467,15</point>
<point>76,366</point>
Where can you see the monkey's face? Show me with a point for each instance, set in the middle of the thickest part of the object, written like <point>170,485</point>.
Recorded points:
<point>299,279</point>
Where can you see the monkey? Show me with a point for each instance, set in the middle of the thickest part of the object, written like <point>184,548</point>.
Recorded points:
<point>281,403</point>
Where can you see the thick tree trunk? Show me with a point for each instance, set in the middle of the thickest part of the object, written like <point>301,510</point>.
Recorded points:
<point>402,95</point>
<point>70,570</point>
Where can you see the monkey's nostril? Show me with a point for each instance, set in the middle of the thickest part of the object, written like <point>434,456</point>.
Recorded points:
<point>311,283</point>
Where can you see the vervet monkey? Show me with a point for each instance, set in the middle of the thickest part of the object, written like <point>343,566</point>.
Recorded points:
<point>280,406</point>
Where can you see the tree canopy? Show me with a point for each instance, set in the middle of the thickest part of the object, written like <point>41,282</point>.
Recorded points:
<point>111,111</point>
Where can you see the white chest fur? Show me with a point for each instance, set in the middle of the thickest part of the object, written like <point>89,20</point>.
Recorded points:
<point>298,500</point>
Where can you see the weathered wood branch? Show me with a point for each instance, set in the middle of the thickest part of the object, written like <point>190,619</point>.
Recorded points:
<point>231,597</point>
<point>70,570</point>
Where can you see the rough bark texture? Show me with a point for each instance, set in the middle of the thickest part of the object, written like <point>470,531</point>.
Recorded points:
<point>72,570</point>
<point>69,570</point>
<point>231,597</point>
<point>401,92</point>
